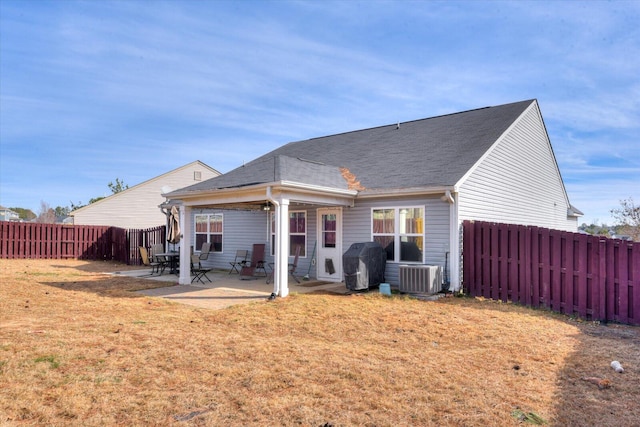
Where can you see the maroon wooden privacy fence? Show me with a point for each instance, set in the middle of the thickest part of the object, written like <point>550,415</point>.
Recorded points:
<point>57,241</point>
<point>576,274</point>
<point>146,238</point>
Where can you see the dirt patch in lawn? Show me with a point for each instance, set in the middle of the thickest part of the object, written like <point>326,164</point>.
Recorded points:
<point>77,349</point>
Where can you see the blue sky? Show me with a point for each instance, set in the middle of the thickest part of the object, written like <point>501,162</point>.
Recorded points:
<point>91,91</point>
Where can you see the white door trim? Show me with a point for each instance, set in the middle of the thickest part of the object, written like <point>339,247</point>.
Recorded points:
<point>333,254</point>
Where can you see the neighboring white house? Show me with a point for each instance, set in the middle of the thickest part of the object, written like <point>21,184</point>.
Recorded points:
<point>407,186</point>
<point>138,206</point>
<point>7,214</point>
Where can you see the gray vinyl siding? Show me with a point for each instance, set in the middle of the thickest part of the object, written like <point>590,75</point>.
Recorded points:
<point>242,229</point>
<point>357,228</point>
<point>518,182</point>
<point>312,226</point>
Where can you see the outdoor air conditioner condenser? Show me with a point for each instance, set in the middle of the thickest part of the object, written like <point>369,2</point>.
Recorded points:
<point>420,279</point>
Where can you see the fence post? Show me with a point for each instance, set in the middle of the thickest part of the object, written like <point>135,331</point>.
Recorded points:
<point>566,271</point>
<point>510,249</point>
<point>534,264</point>
<point>623,281</point>
<point>580,274</point>
<point>494,281</point>
<point>485,283</point>
<point>545,275</point>
<point>555,260</point>
<point>468,270</point>
<point>504,261</point>
<point>524,265</point>
<point>600,280</point>
<point>612,297</point>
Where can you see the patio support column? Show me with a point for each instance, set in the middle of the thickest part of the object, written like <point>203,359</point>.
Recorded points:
<point>185,245</point>
<point>282,248</point>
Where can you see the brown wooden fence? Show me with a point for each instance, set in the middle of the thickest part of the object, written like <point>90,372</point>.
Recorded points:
<point>576,274</point>
<point>91,242</point>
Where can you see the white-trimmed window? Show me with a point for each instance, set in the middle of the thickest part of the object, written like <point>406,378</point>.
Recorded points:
<point>400,231</point>
<point>209,229</point>
<point>297,232</point>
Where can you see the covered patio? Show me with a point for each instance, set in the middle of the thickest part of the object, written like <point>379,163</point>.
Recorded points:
<point>276,184</point>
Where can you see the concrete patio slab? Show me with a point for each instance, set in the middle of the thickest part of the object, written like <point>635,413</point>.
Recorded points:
<point>224,290</point>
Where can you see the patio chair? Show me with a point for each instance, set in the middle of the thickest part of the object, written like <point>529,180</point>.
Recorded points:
<point>205,249</point>
<point>198,270</point>
<point>162,260</point>
<point>292,266</point>
<point>144,255</point>
<point>257,263</point>
<point>239,261</point>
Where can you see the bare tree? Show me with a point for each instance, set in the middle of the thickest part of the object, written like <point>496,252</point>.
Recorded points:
<point>628,217</point>
<point>46,214</point>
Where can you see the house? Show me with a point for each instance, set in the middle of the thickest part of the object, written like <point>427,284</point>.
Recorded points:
<point>7,214</point>
<point>407,186</point>
<point>138,206</point>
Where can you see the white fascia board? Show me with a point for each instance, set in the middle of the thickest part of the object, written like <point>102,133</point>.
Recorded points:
<point>214,192</point>
<point>315,188</point>
<point>403,192</point>
<point>252,193</point>
<point>224,198</point>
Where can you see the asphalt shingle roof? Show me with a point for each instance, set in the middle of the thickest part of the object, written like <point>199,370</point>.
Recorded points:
<point>430,152</point>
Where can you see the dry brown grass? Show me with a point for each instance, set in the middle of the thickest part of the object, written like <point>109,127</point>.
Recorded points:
<point>76,348</point>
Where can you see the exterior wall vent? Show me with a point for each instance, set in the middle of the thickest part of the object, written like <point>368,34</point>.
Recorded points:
<point>197,176</point>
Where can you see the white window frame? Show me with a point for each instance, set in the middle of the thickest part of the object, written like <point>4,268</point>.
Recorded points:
<point>397,235</point>
<point>303,253</point>
<point>208,232</point>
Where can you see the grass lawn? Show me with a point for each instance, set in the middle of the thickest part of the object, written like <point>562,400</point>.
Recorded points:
<point>78,348</point>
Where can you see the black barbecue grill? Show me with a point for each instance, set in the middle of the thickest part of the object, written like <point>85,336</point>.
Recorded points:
<point>364,265</point>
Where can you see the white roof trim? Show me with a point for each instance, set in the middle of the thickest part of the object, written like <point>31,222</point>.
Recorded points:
<point>256,193</point>
<point>401,192</point>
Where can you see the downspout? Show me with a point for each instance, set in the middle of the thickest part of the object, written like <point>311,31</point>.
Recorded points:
<point>452,255</point>
<point>276,282</point>
<point>454,243</point>
<point>448,197</point>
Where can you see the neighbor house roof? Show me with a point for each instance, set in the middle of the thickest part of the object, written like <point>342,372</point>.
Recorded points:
<point>432,152</point>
